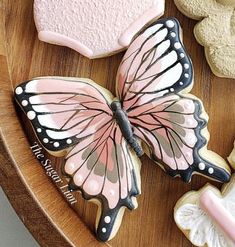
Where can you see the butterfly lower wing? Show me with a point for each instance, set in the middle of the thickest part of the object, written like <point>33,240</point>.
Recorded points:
<point>62,111</point>
<point>172,129</point>
<point>74,116</point>
<point>155,64</point>
<point>104,169</point>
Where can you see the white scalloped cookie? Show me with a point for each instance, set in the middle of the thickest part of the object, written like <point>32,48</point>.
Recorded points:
<point>207,216</point>
<point>94,28</point>
<point>231,157</point>
<point>215,31</point>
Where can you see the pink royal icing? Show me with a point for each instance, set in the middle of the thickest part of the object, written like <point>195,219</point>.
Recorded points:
<point>213,206</point>
<point>94,28</point>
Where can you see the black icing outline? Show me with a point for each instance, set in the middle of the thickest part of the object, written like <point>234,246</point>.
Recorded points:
<point>219,173</point>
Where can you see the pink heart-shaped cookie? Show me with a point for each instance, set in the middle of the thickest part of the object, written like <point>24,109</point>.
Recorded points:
<point>94,28</point>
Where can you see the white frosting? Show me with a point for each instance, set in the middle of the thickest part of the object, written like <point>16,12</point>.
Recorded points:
<point>31,115</point>
<point>203,230</point>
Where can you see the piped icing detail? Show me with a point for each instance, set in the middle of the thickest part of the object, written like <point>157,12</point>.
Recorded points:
<point>101,136</point>
<point>208,216</point>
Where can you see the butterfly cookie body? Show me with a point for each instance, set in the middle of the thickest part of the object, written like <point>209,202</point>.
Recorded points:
<point>215,31</point>
<point>207,216</point>
<point>94,28</point>
<point>102,136</point>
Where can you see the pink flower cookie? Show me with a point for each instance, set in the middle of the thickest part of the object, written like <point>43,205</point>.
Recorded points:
<point>94,28</point>
<point>103,136</point>
<point>207,216</point>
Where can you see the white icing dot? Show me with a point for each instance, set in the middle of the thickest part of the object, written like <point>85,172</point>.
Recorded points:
<point>173,35</point>
<point>181,83</point>
<point>182,55</point>
<point>19,90</point>
<point>69,141</point>
<point>202,166</point>
<point>45,140</point>
<point>186,75</point>
<point>170,24</point>
<point>24,103</point>
<point>186,66</point>
<point>107,219</point>
<point>31,115</point>
<point>104,230</point>
<point>39,130</point>
<point>211,170</point>
<point>177,45</point>
<point>56,144</point>
<point>172,89</point>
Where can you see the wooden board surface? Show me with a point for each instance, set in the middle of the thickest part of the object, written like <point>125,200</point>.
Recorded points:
<point>36,200</point>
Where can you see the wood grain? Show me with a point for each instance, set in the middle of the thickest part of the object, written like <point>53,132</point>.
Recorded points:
<point>36,200</point>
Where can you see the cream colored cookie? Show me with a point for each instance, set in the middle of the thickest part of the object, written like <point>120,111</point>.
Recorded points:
<point>215,31</point>
<point>231,157</point>
<point>207,216</point>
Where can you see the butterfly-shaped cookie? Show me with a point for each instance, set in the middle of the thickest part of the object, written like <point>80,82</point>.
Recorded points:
<point>207,217</point>
<point>102,136</point>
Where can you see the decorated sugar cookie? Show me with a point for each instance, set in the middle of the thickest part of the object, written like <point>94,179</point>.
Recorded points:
<point>207,216</point>
<point>215,31</point>
<point>94,28</point>
<point>231,157</point>
<point>102,136</point>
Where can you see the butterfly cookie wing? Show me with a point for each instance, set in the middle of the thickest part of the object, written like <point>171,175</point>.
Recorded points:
<point>63,111</point>
<point>155,64</point>
<point>153,83</point>
<point>73,117</point>
<point>108,172</point>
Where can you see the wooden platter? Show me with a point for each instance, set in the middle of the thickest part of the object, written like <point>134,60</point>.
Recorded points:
<point>36,200</point>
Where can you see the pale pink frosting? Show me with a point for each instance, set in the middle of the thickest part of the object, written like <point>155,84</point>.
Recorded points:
<point>94,28</point>
<point>213,206</point>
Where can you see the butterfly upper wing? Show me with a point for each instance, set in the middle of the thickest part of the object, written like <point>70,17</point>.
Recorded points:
<point>202,231</point>
<point>152,80</point>
<point>155,64</point>
<point>63,111</point>
<point>74,116</point>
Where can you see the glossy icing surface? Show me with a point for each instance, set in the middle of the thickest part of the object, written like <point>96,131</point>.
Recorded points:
<point>76,117</point>
<point>94,28</point>
<point>214,208</point>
